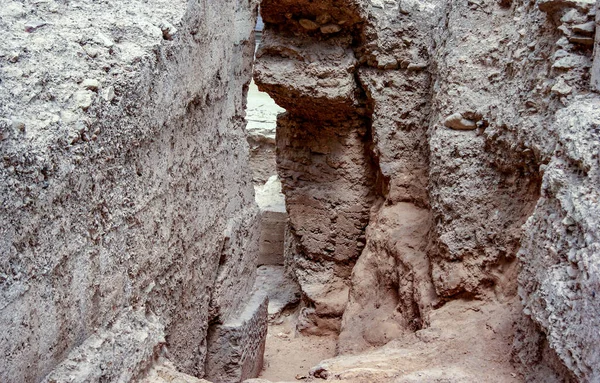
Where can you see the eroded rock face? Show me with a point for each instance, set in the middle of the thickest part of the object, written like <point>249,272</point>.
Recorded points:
<point>478,119</point>
<point>322,143</point>
<point>236,347</point>
<point>124,180</point>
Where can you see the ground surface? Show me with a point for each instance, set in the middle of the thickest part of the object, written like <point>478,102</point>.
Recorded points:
<point>466,342</point>
<point>289,354</point>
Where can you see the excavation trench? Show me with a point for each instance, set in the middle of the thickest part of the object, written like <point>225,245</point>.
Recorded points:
<point>411,196</point>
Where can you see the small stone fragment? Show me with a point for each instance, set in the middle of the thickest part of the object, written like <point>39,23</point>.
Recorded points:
<point>416,66</point>
<point>552,6</point>
<point>565,30</point>
<point>377,4</point>
<point>18,125</point>
<point>32,26</point>
<point>13,57</point>
<point>457,122</point>
<point>323,18</point>
<point>330,28</point>
<point>168,30</point>
<point>583,40</point>
<point>101,38</point>
<point>92,52</point>
<point>108,94</point>
<point>309,25</point>
<point>83,99</point>
<point>561,88</point>
<point>585,29</point>
<point>571,61</point>
<point>91,84</point>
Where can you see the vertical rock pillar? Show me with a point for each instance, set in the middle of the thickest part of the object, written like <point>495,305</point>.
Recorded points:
<point>306,63</point>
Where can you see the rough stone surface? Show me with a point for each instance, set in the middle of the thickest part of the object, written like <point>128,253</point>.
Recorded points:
<point>261,113</point>
<point>129,346</point>
<point>124,182</point>
<point>439,161</point>
<point>322,142</point>
<point>273,222</point>
<point>480,135</point>
<point>595,76</point>
<point>163,371</point>
<point>279,286</point>
<point>236,348</point>
<point>465,342</point>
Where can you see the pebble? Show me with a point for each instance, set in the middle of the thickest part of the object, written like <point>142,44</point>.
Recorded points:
<point>108,94</point>
<point>83,99</point>
<point>377,4</point>
<point>416,66</point>
<point>585,29</point>
<point>561,88</point>
<point>101,38</point>
<point>92,52</point>
<point>330,28</point>
<point>168,30</point>
<point>13,57</point>
<point>583,40</point>
<point>33,25</point>
<point>457,122</point>
<point>91,84</point>
<point>309,25</point>
<point>18,125</point>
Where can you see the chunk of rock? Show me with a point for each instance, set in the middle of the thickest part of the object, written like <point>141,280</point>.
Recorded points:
<point>236,348</point>
<point>91,84</point>
<point>585,29</point>
<point>34,25</point>
<point>553,6</point>
<point>330,28</point>
<point>458,122</point>
<point>308,24</point>
<point>417,66</point>
<point>83,99</point>
<point>583,40</point>
<point>273,220</point>
<point>571,62</point>
<point>279,286</point>
<point>102,39</point>
<point>108,94</point>
<point>168,30</point>
<point>561,88</point>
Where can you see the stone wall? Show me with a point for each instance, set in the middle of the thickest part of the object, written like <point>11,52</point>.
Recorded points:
<point>124,182</point>
<point>480,141</point>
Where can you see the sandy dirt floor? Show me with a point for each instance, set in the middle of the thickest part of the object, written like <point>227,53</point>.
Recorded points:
<point>290,355</point>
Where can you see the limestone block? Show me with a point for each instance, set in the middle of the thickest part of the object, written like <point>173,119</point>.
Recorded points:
<point>273,221</point>
<point>278,284</point>
<point>236,349</point>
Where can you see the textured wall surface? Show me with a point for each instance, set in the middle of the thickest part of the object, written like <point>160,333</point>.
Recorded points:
<point>481,132</point>
<point>124,182</point>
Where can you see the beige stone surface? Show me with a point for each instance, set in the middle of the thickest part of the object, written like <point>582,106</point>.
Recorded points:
<point>478,120</point>
<point>273,222</point>
<point>236,348</point>
<point>261,114</point>
<point>124,179</point>
<point>595,75</point>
